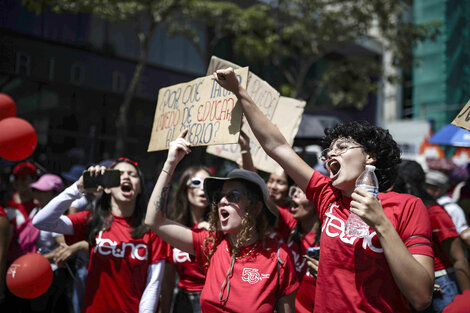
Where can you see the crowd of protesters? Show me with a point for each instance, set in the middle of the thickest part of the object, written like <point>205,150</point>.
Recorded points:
<point>235,242</point>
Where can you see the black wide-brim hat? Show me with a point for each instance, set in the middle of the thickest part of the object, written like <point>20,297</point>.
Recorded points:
<point>214,184</point>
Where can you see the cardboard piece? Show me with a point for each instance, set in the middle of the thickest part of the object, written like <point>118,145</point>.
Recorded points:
<point>285,113</point>
<point>210,112</point>
<point>462,119</point>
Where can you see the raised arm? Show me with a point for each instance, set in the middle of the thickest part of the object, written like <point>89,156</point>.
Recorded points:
<point>246,162</point>
<point>268,135</point>
<point>175,234</point>
<point>51,218</point>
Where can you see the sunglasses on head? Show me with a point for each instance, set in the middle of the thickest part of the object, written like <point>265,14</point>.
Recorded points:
<point>232,196</point>
<point>195,182</point>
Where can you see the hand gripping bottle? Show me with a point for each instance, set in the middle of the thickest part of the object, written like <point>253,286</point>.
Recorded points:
<point>355,226</point>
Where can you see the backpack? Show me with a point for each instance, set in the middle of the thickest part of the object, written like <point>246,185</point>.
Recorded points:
<point>28,234</point>
<point>24,236</point>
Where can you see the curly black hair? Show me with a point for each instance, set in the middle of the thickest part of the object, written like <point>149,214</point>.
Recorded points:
<point>375,141</point>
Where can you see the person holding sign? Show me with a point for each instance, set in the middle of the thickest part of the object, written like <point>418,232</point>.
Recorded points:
<point>126,258</point>
<point>390,268</point>
<point>245,271</point>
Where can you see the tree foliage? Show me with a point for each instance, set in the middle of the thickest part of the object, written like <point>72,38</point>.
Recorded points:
<point>316,46</point>
<point>146,15</point>
<point>296,36</point>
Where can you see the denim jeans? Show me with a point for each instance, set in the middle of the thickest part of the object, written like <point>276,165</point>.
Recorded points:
<point>187,302</point>
<point>79,288</point>
<point>450,289</point>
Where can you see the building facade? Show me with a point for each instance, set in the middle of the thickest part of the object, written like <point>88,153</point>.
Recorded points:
<point>441,76</point>
<point>68,73</point>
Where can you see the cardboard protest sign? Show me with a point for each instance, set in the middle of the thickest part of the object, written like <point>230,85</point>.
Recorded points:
<point>462,119</point>
<point>287,118</point>
<point>265,96</point>
<point>286,113</point>
<point>210,112</point>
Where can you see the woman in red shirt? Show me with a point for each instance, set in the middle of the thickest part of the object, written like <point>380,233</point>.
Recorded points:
<point>187,207</point>
<point>390,266</point>
<point>305,234</point>
<point>126,258</point>
<point>245,271</point>
<point>451,269</point>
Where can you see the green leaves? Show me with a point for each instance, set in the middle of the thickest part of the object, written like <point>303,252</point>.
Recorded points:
<point>292,36</point>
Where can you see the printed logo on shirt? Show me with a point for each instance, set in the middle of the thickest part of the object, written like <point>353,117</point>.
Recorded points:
<point>180,256</point>
<point>252,275</point>
<point>105,246</point>
<point>334,227</point>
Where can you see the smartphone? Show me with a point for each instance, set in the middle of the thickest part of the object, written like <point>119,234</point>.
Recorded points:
<point>314,252</point>
<point>110,178</point>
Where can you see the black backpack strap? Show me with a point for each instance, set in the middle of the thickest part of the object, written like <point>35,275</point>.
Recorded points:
<point>279,262</point>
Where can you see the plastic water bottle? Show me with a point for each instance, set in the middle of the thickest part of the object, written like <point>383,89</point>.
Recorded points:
<point>355,226</point>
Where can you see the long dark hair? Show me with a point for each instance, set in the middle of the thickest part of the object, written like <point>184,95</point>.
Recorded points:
<point>180,207</point>
<point>101,217</point>
<point>411,180</point>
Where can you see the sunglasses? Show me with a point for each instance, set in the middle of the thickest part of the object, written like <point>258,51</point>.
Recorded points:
<point>232,196</point>
<point>297,192</point>
<point>195,182</point>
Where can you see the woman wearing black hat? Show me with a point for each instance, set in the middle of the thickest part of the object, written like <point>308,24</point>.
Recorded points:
<point>244,270</point>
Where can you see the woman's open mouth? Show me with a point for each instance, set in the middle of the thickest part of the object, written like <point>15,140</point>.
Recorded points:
<point>333,167</point>
<point>223,215</point>
<point>126,189</point>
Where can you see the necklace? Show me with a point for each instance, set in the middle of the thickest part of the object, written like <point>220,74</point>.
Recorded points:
<point>246,254</point>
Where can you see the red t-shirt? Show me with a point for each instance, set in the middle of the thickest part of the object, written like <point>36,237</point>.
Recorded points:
<point>117,271</point>
<point>286,223</point>
<point>305,296</point>
<point>442,229</point>
<point>254,280</point>
<point>2,212</point>
<point>459,304</point>
<point>353,272</point>
<point>190,273</point>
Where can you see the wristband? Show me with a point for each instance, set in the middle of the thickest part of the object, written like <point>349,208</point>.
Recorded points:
<point>164,170</point>
<point>244,151</point>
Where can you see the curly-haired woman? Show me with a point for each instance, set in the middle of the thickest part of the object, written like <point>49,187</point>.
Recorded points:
<point>393,265</point>
<point>245,271</point>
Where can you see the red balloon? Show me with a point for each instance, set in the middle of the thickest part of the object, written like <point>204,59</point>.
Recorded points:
<point>29,276</point>
<point>18,139</point>
<point>7,106</point>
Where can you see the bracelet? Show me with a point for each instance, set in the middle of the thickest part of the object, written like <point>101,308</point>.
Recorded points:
<point>244,151</point>
<point>164,170</point>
